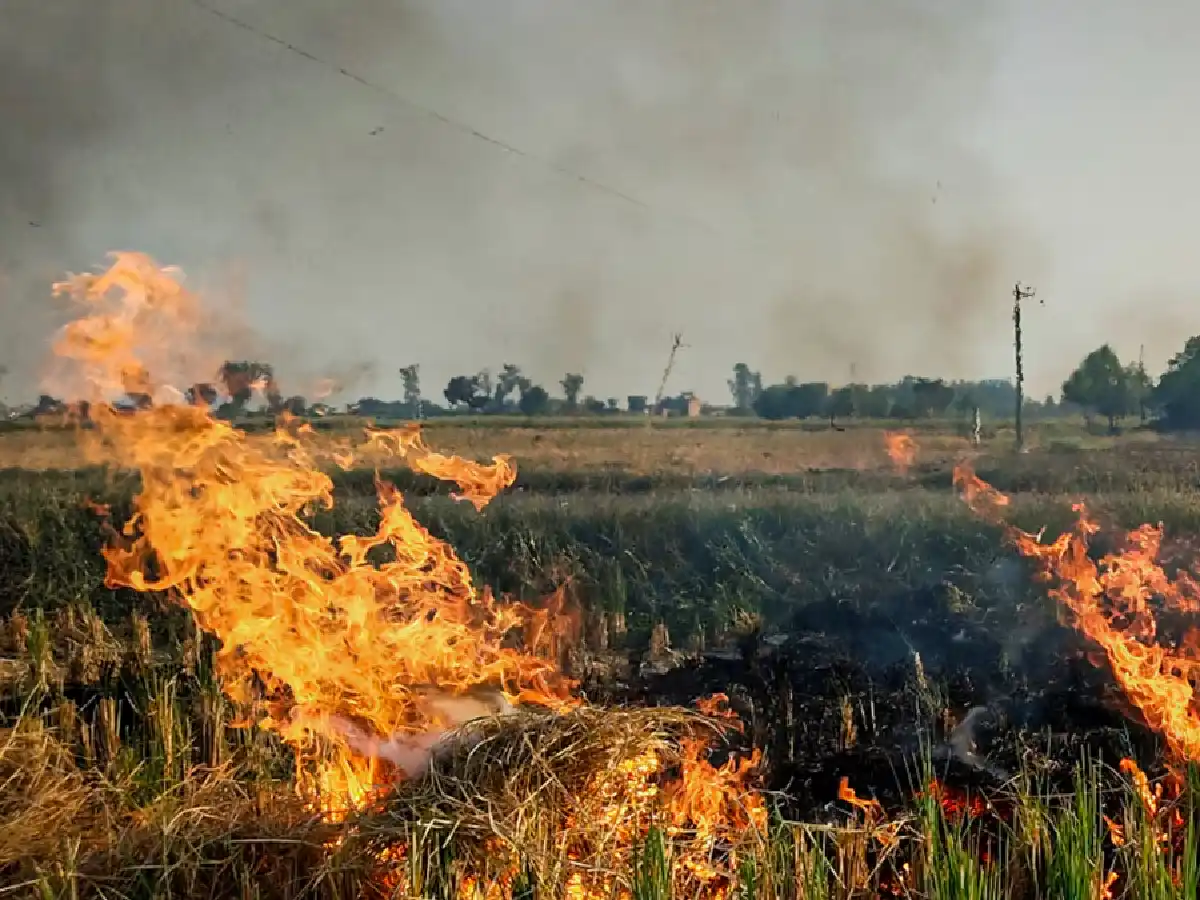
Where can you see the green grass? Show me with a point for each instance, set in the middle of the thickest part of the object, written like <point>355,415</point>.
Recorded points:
<point>121,776</point>
<point>698,560</point>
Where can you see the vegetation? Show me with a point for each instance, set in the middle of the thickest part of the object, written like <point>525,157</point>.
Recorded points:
<point>1100,386</point>
<point>123,773</point>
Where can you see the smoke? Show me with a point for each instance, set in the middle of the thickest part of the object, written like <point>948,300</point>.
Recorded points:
<point>788,182</point>
<point>413,753</point>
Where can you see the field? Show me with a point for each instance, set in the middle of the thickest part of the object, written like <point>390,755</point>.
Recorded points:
<point>922,718</point>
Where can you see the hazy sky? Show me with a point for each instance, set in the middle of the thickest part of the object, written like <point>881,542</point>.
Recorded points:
<point>799,184</point>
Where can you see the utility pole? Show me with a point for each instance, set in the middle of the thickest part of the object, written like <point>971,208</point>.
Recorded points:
<point>1019,294</point>
<point>676,345</point>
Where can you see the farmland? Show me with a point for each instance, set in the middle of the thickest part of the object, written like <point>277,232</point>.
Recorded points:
<point>853,613</point>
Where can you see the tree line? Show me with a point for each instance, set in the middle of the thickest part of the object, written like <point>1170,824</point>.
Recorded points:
<point>1101,387</point>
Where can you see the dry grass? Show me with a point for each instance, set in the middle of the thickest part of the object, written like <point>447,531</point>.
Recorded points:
<point>639,451</point>
<point>568,795</point>
<point>71,831</point>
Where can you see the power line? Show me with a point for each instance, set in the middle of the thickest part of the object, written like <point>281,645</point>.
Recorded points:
<point>462,127</point>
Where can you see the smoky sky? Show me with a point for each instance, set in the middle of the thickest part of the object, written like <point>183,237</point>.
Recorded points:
<point>797,184</point>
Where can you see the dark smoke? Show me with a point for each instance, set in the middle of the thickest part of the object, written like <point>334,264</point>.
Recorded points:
<point>561,185</point>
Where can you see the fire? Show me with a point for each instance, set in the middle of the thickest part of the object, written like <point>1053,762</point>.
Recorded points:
<point>901,450</point>
<point>314,635</point>
<point>957,804</point>
<point>1117,603</point>
<point>362,652</point>
<point>871,809</point>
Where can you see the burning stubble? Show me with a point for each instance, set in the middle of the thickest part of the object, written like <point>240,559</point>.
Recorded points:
<point>375,673</point>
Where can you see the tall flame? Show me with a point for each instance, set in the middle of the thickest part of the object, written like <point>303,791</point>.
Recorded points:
<point>1118,603</point>
<point>318,633</point>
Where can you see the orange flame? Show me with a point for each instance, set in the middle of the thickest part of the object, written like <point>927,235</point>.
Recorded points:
<point>901,450</point>
<point>871,809</point>
<point>955,803</point>
<point>311,630</point>
<point>361,651</point>
<point>1116,603</point>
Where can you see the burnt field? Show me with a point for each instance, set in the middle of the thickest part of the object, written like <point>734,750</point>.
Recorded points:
<point>880,642</point>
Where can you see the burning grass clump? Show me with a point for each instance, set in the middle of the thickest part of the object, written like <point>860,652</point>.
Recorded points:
<point>570,804</point>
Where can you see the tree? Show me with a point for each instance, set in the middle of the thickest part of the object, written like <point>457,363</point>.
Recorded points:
<point>774,402</point>
<point>467,390</point>
<point>411,375</point>
<point>48,405</point>
<point>931,397</point>
<point>841,402</point>
<point>484,388</point>
<point>1178,392</point>
<point>572,384</point>
<point>535,401</point>
<point>510,380</point>
<point>745,386</point>
<point>792,400</point>
<point>1141,385</point>
<point>241,378</point>
<point>294,405</point>
<point>201,394</point>
<point>1101,386</point>
<point>875,402</point>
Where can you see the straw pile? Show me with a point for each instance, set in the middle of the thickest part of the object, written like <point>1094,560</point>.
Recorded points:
<point>553,801</point>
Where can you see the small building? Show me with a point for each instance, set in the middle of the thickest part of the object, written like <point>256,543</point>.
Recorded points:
<point>693,407</point>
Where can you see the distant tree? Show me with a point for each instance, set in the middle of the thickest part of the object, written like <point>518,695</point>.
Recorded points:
<point>509,380</point>
<point>468,391</point>
<point>535,401</point>
<point>792,400</point>
<point>841,402</point>
<point>411,375</point>
<point>1177,395</point>
<point>137,385</point>
<point>637,403</point>
<point>811,398</point>
<point>572,384</point>
<point>1141,385</point>
<point>612,405</point>
<point>964,400</point>
<point>201,394</point>
<point>774,402</point>
<point>1101,386</point>
<point>874,402</point>
<point>294,405</point>
<point>745,386</point>
<point>931,397</point>
<point>241,378</point>
<point>47,405</point>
